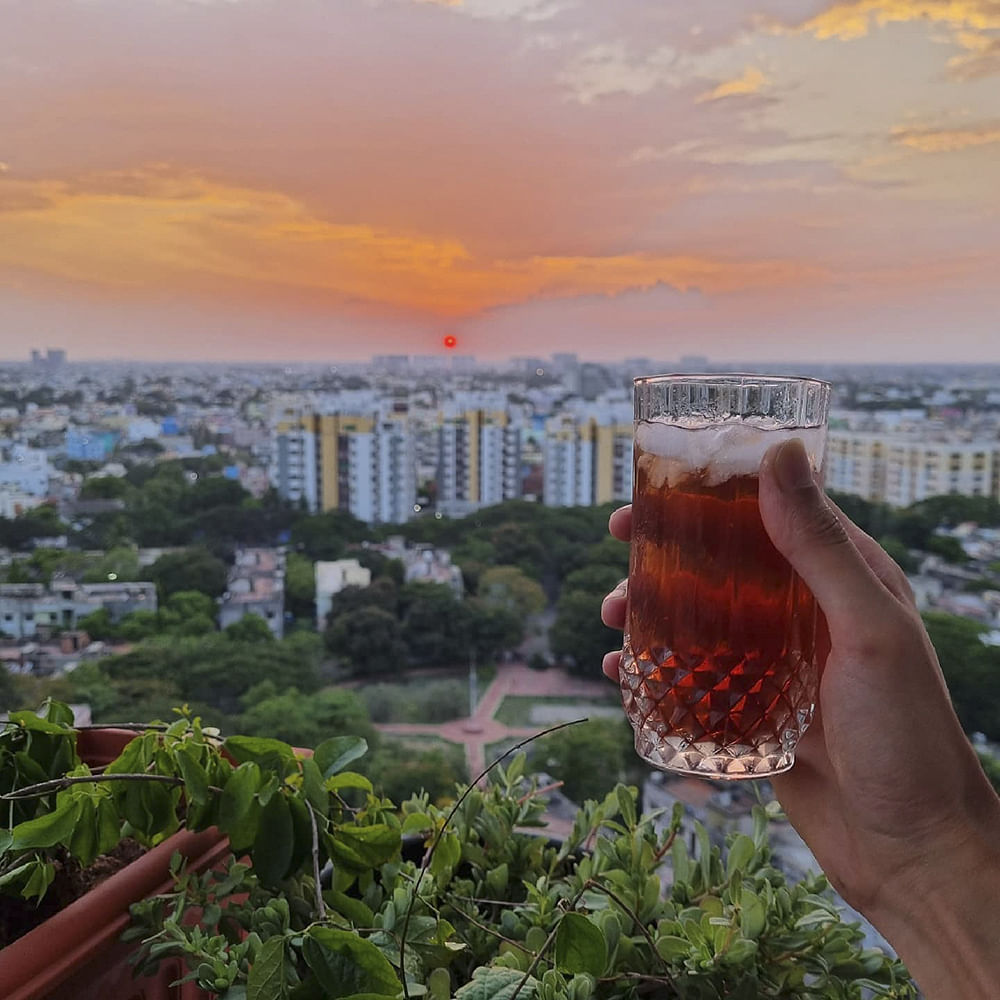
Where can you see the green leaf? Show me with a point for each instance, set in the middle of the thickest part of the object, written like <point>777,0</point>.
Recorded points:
<point>312,786</point>
<point>237,796</point>
<point>496,983</point>
<point>270,755</point>
<point>6,839</point>
<point>753,914</point>
<point>348,779</point>
<point>266,980</point>
<point>417,823</point>
<point>39,880</point>
<point>672,947</point>
<point>59,713</point>
<point>49,829</point>
<point>272,848</point>
<point>626,805</point>
<point>364,847</point>
<point>580,946</point>
<point>354,909</point>
<point>83,841</point>
<point>336,753</point>
<point>447,854</point>
<point>346,964</point>
<point>109,827</point>
<point>740,853</point>
<point>36,724</point>
<point>195,776</point>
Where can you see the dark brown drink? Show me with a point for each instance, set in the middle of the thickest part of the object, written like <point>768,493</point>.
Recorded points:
<point>719,673</point>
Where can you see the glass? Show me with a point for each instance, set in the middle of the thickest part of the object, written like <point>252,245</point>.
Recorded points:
<point>719,670</point>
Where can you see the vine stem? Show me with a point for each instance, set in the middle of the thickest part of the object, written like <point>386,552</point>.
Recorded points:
<point>320,905</point>
<point>57,784</point>
<point>444,826</point>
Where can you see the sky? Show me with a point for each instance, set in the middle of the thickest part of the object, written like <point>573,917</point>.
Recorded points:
<point>781,180</point>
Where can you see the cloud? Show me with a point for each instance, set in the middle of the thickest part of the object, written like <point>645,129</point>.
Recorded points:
<point>752,81</point>
<point>849,19</point>
<point>149,230</point>
<point>946,140</point>
<point>981,56</point>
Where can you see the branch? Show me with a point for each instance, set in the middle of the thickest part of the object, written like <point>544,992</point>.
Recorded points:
<point>57,784</point>
<point>642,927</point>
<point>320,905</point>
<point>451,815</point>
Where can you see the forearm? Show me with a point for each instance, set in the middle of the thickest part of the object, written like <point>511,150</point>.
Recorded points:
<point>944,920</point>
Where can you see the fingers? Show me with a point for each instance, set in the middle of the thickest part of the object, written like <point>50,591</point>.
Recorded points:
<point>882,564</point>
<point>613,606</point>
<point>612,661</point>
<point>805,528</point>
<point>620,523</point>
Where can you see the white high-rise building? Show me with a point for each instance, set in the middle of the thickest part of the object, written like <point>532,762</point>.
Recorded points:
<point>479,453</point>
<point>901,468</point>
<point>588,455</point>
<point>350,452</point>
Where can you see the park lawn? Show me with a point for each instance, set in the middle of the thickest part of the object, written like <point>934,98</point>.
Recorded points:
<point>515,710</point>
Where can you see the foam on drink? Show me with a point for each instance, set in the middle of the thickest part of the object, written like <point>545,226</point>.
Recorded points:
<point>668,453</point>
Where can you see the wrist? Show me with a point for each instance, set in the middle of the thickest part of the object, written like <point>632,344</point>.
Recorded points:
<point>941,912</point>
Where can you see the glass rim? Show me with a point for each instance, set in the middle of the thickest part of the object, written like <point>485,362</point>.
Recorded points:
<point>729,378</point>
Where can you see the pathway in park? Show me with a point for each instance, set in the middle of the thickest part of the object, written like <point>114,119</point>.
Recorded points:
<point>482,729</point>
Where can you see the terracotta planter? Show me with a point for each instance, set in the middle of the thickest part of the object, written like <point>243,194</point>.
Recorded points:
<point>76,955</point>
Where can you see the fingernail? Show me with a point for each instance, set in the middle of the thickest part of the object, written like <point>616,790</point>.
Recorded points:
<point>791,466</point>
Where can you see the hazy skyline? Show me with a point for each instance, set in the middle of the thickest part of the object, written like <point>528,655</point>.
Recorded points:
<point>265,180</point>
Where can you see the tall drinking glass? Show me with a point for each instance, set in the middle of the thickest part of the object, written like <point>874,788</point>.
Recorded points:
<point>719,672</point>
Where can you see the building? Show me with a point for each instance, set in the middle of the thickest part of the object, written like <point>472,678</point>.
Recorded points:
<point>32,609</point>
<point>423,563</point>
<point>479,453</point>
<point>333,577</point>
<point>588,456</point>
<point>25,470</point>
<point>352,452</point>
<point>903,467</point>
<point>256,586</point>
<point>86,445</point>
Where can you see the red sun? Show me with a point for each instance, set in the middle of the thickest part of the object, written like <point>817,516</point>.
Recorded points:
<point>450,341</point>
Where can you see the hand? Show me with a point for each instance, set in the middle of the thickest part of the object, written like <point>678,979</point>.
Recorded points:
<point>886,789</point>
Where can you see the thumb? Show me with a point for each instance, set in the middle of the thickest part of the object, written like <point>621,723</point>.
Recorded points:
<point>805,529</point>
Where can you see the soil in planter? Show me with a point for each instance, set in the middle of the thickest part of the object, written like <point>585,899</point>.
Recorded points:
<point>17,916</point>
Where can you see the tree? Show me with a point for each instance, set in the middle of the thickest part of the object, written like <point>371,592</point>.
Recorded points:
<point>436,624</point>
<point>971,670</point>
<point>579,634</point>
<point>948,548</point>
<point>104,488</point>
<point>120,563</point>
<point>589,759</point>
<point>97,624</point>
<point>191,569</point>
<point>300,586</point>
<point>251,629</point>
<point>367,641</point>
<point>326,536</point>
<point>304,720</point>
<point>399,771</point>
<point>139,625</point>
<point>511,589</point>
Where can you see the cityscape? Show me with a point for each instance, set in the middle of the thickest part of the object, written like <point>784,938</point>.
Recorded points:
<point>305,483</point>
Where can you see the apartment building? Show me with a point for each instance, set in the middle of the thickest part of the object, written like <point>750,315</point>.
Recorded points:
<point>901,468</point>
<point>352,452</point>
<point>32,609</point>
<point>479,453</point>
<point>256,586</point>
<point>588,455</point>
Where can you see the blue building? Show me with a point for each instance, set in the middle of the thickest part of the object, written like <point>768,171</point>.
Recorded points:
<point>86,445</point>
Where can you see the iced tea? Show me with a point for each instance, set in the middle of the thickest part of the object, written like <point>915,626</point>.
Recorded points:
<point>719,673</point>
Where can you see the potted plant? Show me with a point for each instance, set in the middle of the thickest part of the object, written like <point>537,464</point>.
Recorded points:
<point>328,906</point>
<point>54,845</point>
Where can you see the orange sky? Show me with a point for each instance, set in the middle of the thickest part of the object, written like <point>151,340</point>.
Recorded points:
<point>272,179</point>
